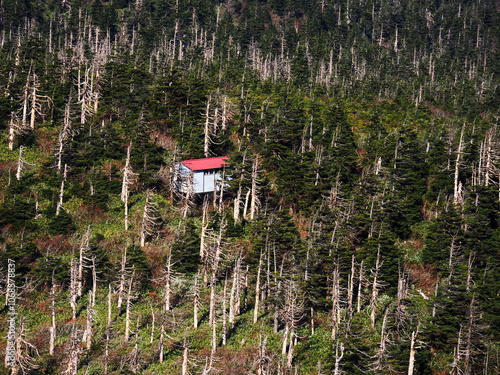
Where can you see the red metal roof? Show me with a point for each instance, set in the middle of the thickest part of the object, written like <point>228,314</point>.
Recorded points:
<point>205,163</point>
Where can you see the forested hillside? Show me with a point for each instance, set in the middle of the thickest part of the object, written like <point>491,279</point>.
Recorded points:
<point>359,228</point>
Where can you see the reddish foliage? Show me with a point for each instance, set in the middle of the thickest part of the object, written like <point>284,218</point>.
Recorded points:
<point>237,363</point>
<point>45,141</point>
<point>424,277</point>
<point>55,245</point>
<point>233,363</point>
<point>43,306</point>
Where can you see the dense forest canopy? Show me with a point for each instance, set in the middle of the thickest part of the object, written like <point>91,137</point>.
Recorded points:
<point>358,228</point>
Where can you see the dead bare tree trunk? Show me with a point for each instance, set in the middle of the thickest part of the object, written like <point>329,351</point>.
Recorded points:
<point>207,140</point>
<point>34,102</point>
<point>360,287</point>
<point>411,363</point>
<point>233,296</point>
<point>84,248</point>
<point>350,287</point>
<point>381,353</point>
<point>293,313</point>
<point>285,340</point>
<point>134,358</point>
<point>237,200</point>
<point>128,179</point>
<point>312,321</point>
<point>204,226</point>
<point>254,201</point>
<point>457,188</point>
<point>196,301</point>
<point>491,156</point>
<point>338,357</point>
<point>53,332</point>
<point>168,280</point>
<point>468,344</point>
<point>24,352</point>
<point>20,163</point>
<point>73,286</point>
<point>121,285</point>
<point>162,334</point>
<point>12,133</point>
<point>215,268</point>
<point>291,347</point>
<point>453,254</point>
<point>188,195</point>
<point>214,335</point>
<point>94,280</point>
<point>149,218</point>
<point>224,313</point>
<point>237,204</point>
<point>185,357</point>
<point>152,324</point>
<point>257,291</point>
<point>245,206</point>
<point>108,333</point>
<point>74,353</point>
<point>245,291</point>
<point>61,192</point>
<point>129,306</point>
<point>375,287</point>
<point>25,101</point>
<point>335,302</point>
<point>90,317</point>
